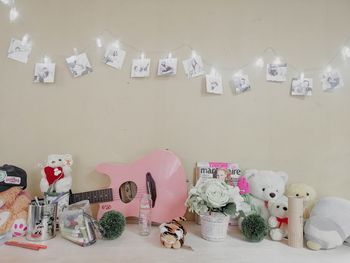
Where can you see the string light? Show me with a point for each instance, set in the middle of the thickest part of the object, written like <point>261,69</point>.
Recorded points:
<point>259,62</point>
<point>99,42</point>
<point>13,14</point>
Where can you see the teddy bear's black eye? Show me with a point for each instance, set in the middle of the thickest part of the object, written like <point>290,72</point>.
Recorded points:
<point>60,159</point>
<point>297,194</point>
<point>263,189</point>
<point>278,206</point>
<point>307,194</point>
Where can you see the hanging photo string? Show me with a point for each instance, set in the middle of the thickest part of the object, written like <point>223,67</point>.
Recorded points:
<point>194,66</point>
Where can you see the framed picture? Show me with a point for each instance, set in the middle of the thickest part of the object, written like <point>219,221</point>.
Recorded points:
<point>214,83</point>
<point>140,68</point>
<point>301,87</point>
<point>114,57</point>
<point>241,83</point>
<point>276,72</point>
<point>19,51</point>
<point>194,67</point>
<point>331,80</point>
<point>44,73</point>
<point>79,65</point>
<point>167,66</point>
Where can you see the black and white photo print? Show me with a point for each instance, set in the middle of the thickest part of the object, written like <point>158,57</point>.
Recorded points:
<point>19,51</point>
<point>194,67</point>
<point>140,68</point>
<point>241,83</point>
<point>167,66</point>
<point>114,56</point>
<point>331,80</point>
<point>44,73</point>
<point>79,65</point>
<point>301,87</point>
<point>276,72</point>
<point>214,83</point>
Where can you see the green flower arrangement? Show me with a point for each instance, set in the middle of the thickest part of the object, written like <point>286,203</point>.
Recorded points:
<point>213,195</point>
<point>112,224</point>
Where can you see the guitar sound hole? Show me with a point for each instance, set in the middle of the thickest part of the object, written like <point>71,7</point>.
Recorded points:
<point>127,191</point>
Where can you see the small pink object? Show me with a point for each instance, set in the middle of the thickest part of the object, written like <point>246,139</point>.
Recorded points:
<point>243,185</point>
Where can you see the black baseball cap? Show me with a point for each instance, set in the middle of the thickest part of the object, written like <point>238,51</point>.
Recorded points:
<point>11,176</point>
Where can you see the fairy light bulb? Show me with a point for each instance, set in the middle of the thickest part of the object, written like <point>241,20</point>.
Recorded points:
<point>194,54</point>
<point>99,42</point>
<point>25,39</point>
<point>259,62</point>
<point>47,60</point>
<point>277,60</point>
<point>13,14</point>
<point>346,52</point>
<point>238,73</point>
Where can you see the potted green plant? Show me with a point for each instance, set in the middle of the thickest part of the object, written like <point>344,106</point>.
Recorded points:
<point>215,201</point>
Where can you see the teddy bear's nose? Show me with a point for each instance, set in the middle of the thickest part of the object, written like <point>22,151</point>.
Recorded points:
<point>272,195</point>
<point>285,208</point>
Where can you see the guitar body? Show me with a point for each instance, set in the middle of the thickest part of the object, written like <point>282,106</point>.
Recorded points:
<point>167,185</point>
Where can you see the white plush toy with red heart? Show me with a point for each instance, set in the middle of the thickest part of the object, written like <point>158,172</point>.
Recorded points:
<point>57,174</point>
<point>278,221</point>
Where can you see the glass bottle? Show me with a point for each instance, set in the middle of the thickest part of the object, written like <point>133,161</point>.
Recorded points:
<point>145,215</point>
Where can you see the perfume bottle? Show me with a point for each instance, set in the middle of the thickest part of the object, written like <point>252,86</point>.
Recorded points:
<point>145,215</point>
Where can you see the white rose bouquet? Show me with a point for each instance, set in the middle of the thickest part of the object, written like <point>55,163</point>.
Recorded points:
<point>214,195</point>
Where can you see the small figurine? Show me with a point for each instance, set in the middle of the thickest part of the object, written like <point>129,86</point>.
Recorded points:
<point>172,234</point>
<point>57,174</point>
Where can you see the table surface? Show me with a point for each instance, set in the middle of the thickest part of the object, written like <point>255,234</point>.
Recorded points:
<point>131,247</point>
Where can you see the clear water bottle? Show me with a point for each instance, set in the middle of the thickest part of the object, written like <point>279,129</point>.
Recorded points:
<point>145,215</point>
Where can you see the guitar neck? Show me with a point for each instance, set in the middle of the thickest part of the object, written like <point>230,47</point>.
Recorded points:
<point>98,196</point>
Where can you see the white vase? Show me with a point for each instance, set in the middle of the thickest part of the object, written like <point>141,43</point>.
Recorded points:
<point>214,226</point>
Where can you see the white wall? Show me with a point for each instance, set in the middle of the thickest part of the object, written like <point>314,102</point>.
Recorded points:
<point>107,116</point>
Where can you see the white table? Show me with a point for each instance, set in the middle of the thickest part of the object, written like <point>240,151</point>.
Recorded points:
<point>131,247</point>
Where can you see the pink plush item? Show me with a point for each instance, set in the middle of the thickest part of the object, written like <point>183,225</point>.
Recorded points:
<point>170,183</point>
<point>243,185</point>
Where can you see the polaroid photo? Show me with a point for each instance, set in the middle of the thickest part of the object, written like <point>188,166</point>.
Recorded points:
<point>241,83</point>
<point>19,51</point>
<point>114,57</point>
<point>276,72</point>
<point>79,65</point>
<point>194,67</point>
<point>167,66</point>
<point>44,73</point>
<point>331,80</point>
<point>214,83</point>
<point>301,87</point>
<point>140,68</point>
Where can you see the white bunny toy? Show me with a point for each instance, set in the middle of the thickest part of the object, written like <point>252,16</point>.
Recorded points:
<point>57,173</point>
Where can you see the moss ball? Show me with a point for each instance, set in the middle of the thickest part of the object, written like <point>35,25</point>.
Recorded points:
<point>113,224</point>
<point>254,228</point>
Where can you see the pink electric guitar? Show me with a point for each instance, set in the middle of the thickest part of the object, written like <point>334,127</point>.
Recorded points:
<point>159,174</point>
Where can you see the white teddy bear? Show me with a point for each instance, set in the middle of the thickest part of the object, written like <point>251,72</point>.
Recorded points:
<point>57,173</point>
<point>278,220</point>
<point>265,186</point>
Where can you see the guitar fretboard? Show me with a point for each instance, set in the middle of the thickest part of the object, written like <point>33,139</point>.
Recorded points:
<point>98,196</point>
